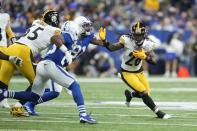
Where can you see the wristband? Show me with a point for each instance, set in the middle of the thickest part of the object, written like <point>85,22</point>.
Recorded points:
<point>63,48</point>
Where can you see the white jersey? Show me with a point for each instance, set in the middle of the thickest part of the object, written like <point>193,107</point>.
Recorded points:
<point>129,62</point>
<point>4,20</point>
<point>38,36</point>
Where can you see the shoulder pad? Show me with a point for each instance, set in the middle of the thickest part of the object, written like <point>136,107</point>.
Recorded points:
<point>122,39</point>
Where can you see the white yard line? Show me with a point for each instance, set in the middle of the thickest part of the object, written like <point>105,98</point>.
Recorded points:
<point>160,89</point>
<point>163,105</point>
<point>167,105</point>
<point>100,122</point>
<point>175,89</point>
<point>117,80</point>
<point>121,105</point>
<point>65,116</point>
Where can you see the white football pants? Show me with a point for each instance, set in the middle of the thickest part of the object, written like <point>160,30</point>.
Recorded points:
<point>47,70</point>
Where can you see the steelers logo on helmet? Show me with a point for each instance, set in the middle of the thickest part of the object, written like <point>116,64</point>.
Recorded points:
<point>54,18</point>
<point>138,33</point>
<point>51,17</point>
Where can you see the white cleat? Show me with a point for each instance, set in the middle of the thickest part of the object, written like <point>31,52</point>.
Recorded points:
<point>4,104</point>
<point>166,116</point>
<point>127,104</point>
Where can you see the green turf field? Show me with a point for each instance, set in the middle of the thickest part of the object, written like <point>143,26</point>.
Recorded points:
<point>106,102</point>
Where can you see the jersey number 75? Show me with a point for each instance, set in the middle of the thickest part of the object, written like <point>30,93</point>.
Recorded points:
<point>33,34</point>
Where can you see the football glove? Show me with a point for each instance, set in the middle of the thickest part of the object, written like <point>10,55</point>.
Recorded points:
<point>68,57</point>
<point>18,112</point>
<point>102,33</point>
<point>140,54</point>
<point>16,60</point>
<point>13,40</point>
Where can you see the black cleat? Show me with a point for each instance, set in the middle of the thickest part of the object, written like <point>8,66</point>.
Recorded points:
<point>163,115</point>
<point>128,97</point>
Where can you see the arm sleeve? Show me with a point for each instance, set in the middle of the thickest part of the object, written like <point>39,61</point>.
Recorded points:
<point>68,40</point>
<point>3,56</point>
<point>9,31</point>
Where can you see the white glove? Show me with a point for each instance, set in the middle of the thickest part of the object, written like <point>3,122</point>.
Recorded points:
<point>67,60</point>
<point>16,60</point>
<point>13,40</point>
<point>68,57</point>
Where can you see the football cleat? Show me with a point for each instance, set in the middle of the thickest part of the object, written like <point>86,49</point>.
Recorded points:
<point>167,116</point>
<point>4,103</point>
<point>87,119</point>
<point>163,115</point>
<point>128,97</point>
<point>18,112</point>
<point>29,107</point>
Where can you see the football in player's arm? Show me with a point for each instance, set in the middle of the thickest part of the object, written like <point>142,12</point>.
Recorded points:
<point>137,52</point>
<point>137,47</point>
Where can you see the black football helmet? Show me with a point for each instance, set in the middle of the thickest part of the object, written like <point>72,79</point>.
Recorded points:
<point>51,17</point>
<point>138,33</point>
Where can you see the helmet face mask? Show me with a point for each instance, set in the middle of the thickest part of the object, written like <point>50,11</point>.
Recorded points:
<point>85,25</point>
<point>51,17</point>
<point>138,33</point>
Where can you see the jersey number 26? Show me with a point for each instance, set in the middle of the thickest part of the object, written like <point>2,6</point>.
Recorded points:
<point>133,60</point>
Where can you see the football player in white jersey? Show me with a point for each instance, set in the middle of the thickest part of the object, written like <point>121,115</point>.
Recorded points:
<point>51,68</point>
<point>38,37</point>
<point>137,47</point>
<point>5,29</point>
<point>86,37</point>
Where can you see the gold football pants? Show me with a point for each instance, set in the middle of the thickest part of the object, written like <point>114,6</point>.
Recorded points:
<point>2,49</point>
<point>137,81</point>
<point>27,69</point>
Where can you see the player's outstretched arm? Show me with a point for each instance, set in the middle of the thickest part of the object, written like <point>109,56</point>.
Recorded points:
<point>113,47</point>
<point>105,43</point>
<point>10,33</point>
<point>108,45</point>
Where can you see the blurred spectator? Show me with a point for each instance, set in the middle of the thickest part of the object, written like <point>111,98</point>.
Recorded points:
<point>152,5</point>
<point>174,51</point>
<point>160,15</point>
<point>102,65</point>
<point>80,67</point>
<point>194,47</point>
<point>115,14</point>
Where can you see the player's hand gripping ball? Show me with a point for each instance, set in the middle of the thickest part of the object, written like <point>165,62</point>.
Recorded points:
<point>139,53</point>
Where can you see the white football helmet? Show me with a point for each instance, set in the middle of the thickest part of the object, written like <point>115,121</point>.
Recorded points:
<point>84,24</point>
<point>71,28</point>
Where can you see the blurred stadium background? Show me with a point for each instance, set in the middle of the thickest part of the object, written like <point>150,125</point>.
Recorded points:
<point>172,23</point>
